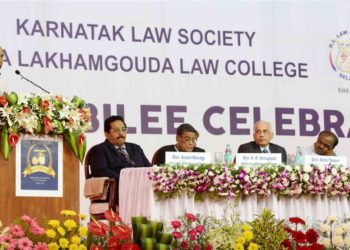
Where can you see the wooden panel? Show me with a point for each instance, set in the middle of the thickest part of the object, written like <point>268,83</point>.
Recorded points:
<point>12,207</point>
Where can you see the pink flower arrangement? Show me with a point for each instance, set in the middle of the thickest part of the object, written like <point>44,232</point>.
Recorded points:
<point>25,234</point>
<point>189,233</point>
<point>229,181</point>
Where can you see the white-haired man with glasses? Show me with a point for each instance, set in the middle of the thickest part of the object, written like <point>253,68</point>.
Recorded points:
<point>262,135</point>
<point>108,158</point>
<point>186,141</point>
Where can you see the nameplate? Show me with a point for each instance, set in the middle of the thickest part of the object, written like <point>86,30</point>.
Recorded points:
<point>325,160</point>
<point>248,159</point>
<point>186,158</point>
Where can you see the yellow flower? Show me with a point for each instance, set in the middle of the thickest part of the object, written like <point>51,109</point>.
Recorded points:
<point>64,243</point>
<point>338,241</point>
<point>51,233</point>
<point>54,223</point>
<point>53,246</point>
<point>61,231</point>
<point>245,227</point>
<point>248,235</point>
<point>240,240</point>
<point>82,216</point>
<point>332,218</point>
<point>4,245</point>
<point>75,239</point>
<point>73,247</point>
<point>70,224</point>
<point>347,241</point>
<point>253,246</point>
<point>325,228</point>
<point>338,230</point>
<point>83,231</point>
<point>68,213</point>
<point>82,247</point>
<point>239,246</point>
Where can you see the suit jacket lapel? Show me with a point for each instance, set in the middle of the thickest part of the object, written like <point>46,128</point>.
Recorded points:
<point>128,148</point>
<point>256,148</point>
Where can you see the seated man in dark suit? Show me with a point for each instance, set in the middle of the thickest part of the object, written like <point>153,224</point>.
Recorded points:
<point>108,158</point>
<point>262,136</point>
<point>186,141</point>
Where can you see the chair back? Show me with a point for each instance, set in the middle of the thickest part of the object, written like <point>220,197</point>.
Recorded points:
<point>98,207</point>
<point>87,169</point>
<point>155,158</point>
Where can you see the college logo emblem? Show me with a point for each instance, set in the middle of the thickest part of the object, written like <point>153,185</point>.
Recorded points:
<point>339,54</point>
<point>39,159</point>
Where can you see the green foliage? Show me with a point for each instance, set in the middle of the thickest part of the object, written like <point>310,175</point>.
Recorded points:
<point>268,232</point>
<point>229,232</point>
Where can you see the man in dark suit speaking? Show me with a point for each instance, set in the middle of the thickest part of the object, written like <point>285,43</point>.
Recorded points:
<point>108,158</point>
<point>262,136</point>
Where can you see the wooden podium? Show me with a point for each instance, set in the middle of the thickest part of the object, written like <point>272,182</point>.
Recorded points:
<point>42,208</point>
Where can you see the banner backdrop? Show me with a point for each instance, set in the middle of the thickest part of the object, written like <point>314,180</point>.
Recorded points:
<point>217,65</point>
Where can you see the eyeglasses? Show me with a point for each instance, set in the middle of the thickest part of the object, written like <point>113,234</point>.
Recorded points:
<point>189,139</point>
<point>259,132</point>
<point>118,130</point>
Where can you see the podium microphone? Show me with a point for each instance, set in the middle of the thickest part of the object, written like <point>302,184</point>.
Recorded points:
<point>36,85</point>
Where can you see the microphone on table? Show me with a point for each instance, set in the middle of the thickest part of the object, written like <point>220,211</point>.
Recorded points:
<point>36,85</point>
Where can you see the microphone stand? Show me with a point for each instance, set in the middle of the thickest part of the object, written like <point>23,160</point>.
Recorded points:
<point>19,73</point>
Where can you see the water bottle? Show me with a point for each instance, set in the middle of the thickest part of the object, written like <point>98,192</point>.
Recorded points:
<point>298,157</point>
<point>228,154</point>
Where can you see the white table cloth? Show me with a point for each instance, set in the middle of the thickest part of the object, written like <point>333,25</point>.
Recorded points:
<point>136,197</point>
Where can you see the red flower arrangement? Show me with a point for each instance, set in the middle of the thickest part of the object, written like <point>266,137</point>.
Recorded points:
<point>301,238</point>
<point>43,114</point>
<point>115,236</point>
<point>189,233</point>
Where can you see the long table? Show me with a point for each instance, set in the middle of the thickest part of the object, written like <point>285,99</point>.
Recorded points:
<point>136,197</point>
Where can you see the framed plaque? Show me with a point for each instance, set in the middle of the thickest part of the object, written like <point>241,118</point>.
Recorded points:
<point>39,166</point>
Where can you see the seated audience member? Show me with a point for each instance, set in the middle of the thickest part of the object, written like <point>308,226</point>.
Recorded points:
<point>262,136</point>
<point>325,144</point>
<point>186,140</point>
<point>108,158</point>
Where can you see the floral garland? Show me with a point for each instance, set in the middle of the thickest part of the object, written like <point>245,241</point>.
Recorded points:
<point>217,181</point>
<point>43,115</point>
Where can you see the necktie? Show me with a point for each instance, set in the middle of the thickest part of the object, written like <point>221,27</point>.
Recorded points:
<point>265,151</point>
<point>125,155</point>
